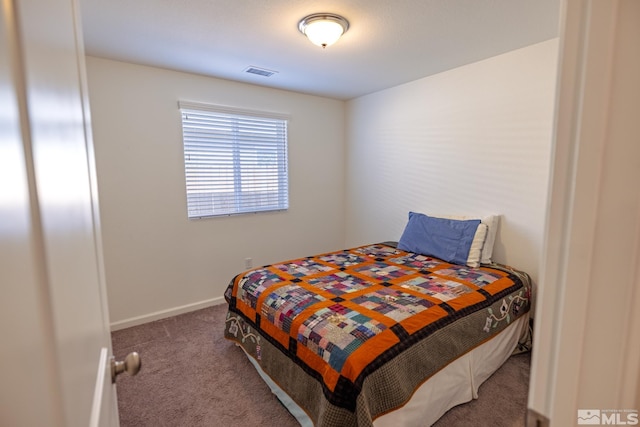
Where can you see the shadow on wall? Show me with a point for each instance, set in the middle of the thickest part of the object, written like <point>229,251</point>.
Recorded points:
<point>525,246</point>
<point>516,234</point>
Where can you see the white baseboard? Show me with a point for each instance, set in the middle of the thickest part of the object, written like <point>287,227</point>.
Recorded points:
<point>162,314</point>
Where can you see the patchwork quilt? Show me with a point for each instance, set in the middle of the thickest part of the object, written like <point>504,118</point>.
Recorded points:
<point>350,335</point>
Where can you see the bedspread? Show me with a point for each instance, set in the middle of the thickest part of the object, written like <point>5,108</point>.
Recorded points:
<point>350,335</point>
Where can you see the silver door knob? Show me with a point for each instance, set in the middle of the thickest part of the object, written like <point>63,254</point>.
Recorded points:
<point>131,365</point>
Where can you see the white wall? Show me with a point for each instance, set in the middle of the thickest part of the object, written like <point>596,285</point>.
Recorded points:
<point>474,140</point>
<point>156,259</point>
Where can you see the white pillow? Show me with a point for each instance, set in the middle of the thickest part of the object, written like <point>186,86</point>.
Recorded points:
<point>492,229</point>
<point>475,251</point>
<point>491,222</point>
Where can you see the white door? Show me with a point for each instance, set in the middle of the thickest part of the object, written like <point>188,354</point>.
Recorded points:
<point>53,313</point>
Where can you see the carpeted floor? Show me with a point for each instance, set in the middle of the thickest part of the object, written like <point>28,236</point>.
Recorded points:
<point>191,376</point>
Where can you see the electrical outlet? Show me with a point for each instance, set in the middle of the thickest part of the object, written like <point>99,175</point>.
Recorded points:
<point>248,263</point>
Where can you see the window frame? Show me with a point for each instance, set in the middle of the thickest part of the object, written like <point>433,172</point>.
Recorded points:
<point>280,147</point>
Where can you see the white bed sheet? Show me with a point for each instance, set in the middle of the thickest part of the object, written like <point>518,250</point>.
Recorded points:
<point>456,383</point>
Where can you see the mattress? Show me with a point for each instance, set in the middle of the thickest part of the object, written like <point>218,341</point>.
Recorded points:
<point>349,337</point>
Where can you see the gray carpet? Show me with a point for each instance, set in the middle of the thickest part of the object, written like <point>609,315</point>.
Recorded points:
<point>191,376</point>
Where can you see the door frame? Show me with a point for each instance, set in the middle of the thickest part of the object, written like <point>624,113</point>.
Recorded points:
<point>577,336</point>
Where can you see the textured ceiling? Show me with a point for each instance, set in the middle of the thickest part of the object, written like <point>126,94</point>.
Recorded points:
<point>389,42</point>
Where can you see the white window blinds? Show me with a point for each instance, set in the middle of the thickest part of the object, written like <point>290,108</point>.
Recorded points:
<point>234,162</point>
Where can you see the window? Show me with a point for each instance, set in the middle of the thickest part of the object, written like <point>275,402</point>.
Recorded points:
<point>235,161</point>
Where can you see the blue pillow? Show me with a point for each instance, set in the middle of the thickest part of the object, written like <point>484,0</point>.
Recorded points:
<point>447,239</point>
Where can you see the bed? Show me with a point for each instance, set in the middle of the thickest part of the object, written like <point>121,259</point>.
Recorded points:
<point>380,334</point>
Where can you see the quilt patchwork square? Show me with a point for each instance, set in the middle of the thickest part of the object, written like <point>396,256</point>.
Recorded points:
<point>335,332</point>
<point>417,261</point>
<point>377,251</point>
<point>393,303</point>
<point>437,287</point>
<point>343,259</point>
<point>302,267</point>
<point>382,271</point>
<point>255,283</point>
<point>339,283</point>
<point>281,306</point>
<point>478,277</point>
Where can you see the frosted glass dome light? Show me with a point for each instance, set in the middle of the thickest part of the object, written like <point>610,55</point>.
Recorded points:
<point>323,29</point>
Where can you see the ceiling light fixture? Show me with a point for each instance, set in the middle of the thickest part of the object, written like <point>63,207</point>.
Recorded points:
<point>323,29</point>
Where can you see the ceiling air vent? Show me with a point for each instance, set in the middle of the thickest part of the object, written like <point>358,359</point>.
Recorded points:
<point>259,71</point>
